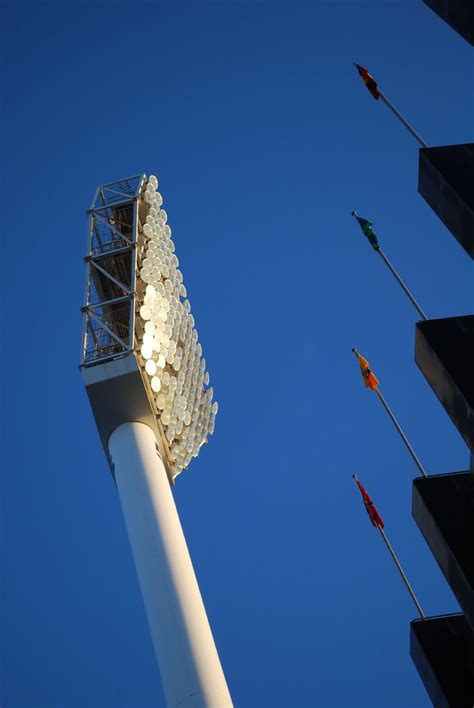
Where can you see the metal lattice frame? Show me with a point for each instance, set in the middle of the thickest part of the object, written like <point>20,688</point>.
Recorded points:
<point>111,261</point>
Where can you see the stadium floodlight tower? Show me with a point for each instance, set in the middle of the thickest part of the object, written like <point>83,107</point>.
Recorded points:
<point>149,390</point>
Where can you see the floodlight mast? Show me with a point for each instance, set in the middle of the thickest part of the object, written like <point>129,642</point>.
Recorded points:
<point>145,449</point>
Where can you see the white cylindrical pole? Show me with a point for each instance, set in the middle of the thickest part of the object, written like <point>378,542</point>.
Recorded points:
<point>190,668</point>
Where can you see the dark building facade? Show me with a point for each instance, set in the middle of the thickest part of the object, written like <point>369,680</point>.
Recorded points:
<point>459,14</point>
<point>442,648</point>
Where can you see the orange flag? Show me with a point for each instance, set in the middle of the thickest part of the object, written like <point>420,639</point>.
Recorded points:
<point>369,378</point>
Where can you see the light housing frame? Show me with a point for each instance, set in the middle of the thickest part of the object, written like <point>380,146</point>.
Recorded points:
<point>112,364</point>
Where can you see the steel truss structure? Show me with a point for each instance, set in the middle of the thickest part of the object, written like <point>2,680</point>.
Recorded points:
<point>115,245</point>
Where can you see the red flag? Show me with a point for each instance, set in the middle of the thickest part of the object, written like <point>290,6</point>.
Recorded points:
<point>371,509</point>
<point>368,80</point>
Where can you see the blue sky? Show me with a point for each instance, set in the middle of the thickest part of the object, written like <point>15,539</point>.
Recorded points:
<point>264,140</point>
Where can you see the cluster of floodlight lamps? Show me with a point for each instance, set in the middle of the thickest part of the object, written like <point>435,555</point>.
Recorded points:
<point>171,353</point>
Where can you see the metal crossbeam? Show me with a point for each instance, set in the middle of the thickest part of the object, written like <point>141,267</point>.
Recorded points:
<point>107,329</point>
<point>109,276</point>
<point>111,227</point>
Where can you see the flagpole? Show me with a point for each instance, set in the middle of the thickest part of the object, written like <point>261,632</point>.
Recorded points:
<point>402,119</point>
<point>401,433</point>
<point>372,87</point>
<point>402,284</point>
<point>401,571</point>
<point>368,232</point>
<point>377,521</point>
